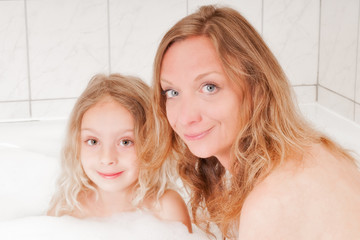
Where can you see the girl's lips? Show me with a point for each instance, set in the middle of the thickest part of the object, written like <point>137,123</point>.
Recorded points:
<point>197,136</point>
<point>110,175</point>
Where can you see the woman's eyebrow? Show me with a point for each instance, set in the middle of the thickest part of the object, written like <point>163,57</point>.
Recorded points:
<point>199,77</point>
<point>202,75</point>
<point>162,80</point>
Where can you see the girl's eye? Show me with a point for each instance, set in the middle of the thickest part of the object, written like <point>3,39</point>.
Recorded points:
<point>170,93</point>
<point>91,142</point>
<point>126,142</point>
<point>209,88</point>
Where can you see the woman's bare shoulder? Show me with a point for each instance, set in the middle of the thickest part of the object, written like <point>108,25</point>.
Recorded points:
<point>298,200</point>
<point>270,206</point>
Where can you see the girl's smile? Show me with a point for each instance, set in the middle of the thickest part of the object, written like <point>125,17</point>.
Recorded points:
<point>110,175</point>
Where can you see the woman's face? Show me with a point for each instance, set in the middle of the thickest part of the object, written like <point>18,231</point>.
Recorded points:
<point>202,104</point>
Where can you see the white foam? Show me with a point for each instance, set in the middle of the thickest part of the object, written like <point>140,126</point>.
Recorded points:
<point>134,225</point>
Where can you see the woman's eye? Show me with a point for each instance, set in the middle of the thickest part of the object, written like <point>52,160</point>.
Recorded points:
<point>209,88</point>
<point>170,93</point>
<point>126,142</point>
<point>91,142</point>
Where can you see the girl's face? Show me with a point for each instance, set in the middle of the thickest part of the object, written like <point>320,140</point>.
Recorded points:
<point>202,104</point>
<point>108,153</point>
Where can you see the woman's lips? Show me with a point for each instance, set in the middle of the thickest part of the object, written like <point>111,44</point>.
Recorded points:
<point>197,136</point>
<point>110,175</point>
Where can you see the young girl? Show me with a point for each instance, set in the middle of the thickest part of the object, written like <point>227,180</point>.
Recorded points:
<point>100,168</point>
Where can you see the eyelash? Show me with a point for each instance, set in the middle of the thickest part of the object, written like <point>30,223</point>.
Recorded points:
<point>166,93</point>
<point>216,88</point>
<point>130,142</point>
<point>93,142</point>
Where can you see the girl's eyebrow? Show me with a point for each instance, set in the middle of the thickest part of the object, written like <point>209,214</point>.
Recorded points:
<point>128,130</point>
<point>87,129</point>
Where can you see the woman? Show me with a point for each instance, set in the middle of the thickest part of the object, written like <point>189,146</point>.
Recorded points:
<point>253,166</point>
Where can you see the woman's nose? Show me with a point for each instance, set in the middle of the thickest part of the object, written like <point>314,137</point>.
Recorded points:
<point>108,156</point>
<point>189,111</point>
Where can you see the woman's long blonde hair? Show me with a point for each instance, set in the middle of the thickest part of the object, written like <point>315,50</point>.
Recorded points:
<point>134,95</point>
<point>272,131</point>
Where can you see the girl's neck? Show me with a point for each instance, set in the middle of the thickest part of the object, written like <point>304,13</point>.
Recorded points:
<point>108,203</point>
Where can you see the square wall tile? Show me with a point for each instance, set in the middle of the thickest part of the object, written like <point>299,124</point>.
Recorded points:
<point>13,56</point>
<point>50,109</point>
<point>357,113</point>
<point>291,29</point>
<point>14,110</point>
<point>68,44</point>
<point>136,29</point>
<point>335,102</point>
<point>305,94</point>
<point>250,9</point>
<point>338,45</point>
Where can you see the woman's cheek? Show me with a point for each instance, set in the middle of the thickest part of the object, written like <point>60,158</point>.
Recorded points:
<point>171,114</point>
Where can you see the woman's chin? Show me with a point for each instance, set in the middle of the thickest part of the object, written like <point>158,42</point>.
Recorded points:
<point>201,153</point>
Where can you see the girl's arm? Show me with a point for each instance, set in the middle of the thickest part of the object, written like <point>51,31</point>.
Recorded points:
<point>173,208</point>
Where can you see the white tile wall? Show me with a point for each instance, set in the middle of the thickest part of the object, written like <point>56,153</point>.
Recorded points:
<point>291,28</point>
<point>305,94</point>
<point>13,56</point>
<point>335,102</point>
<point>136,30</point>
<point>357,113</point>
<point>338,45</point>
<point>48,109</point>
<point>71,40</point>
<point>14,110</point>
<point>68,43</point>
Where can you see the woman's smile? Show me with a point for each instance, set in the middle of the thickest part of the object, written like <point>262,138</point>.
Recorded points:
<point>197,136</point>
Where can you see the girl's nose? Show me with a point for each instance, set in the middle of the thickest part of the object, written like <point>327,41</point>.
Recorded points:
<point>108,156</point>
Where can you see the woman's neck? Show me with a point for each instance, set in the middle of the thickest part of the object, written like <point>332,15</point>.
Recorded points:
<point>225,159</point>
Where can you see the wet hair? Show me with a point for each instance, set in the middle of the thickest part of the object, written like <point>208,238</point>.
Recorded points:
<point>271,126</point>
<point>134,95</point>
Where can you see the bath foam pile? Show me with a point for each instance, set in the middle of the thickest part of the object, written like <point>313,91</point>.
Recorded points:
<point>27,181</point>
<point>132,225</point>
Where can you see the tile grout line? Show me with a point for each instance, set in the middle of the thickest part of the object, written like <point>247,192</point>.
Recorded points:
<point>318,62</point>
<point>39,100</point>
<point>187,7</point>
<point>356,61</point>
<point>28,56</point>
<point>338,94</point>
<point>109,35</point>
<point>262,18</point>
